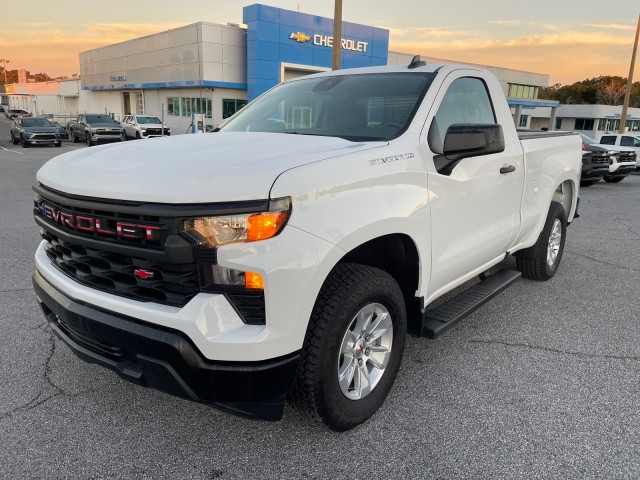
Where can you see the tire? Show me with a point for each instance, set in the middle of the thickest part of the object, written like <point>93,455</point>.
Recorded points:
<point>88,138</point>
<point>138,136</point>
<point>14,140</point>
<point>541,261</point>
<point>351,292</point>
<point>25,144</point>
<point>613,179</point>
<point>588,183</point>
<point>75,138</point>
<point>59,144</point>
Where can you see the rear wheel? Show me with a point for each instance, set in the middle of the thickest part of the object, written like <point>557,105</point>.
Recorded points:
<point>541,261</point>
<point>353,347</point>
<point>613,179</point>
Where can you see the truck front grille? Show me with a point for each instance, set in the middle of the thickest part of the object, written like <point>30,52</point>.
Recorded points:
<point>125,275</point>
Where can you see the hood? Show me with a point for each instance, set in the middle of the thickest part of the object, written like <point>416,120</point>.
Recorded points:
<point>104,125</point>
<point>40,129</point>
<point>202,168</point>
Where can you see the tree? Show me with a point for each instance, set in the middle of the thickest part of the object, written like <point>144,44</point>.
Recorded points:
<point>611,92</point>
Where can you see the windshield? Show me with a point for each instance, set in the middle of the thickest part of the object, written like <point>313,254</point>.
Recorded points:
<point>99,119</point>
<point>148,120</point>
<point>35,122</point>
<point>361,107</point>
<point>587,140</point>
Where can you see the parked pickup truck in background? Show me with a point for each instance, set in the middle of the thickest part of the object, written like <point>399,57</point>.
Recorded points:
<point>595,161</point>
<point>292,251</point>
<point>95,128</point>
<point>627,140</point>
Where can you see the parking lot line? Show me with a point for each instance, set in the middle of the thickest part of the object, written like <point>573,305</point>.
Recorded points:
<point>14,151</point>
<point>69,146</point>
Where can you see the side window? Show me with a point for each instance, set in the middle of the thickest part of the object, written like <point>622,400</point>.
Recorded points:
<point>466,101</point>
<point>608,140</point>
<point>636,142</point>
<point>626,141</point>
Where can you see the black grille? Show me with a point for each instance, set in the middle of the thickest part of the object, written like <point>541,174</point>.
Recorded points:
<point>250,305</point>
<point>44,136</point>
<point>49,211</point>
<point>115,273</point>
<point>154,131</point>
<point>626,156</point>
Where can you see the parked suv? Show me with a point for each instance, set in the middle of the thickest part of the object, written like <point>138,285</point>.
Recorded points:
<point>595,161</point>
<point>143,126</point>
<point>624,140</point>
<point>34,130</point>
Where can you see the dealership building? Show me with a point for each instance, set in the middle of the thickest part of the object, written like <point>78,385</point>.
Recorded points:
<point>206,71</point>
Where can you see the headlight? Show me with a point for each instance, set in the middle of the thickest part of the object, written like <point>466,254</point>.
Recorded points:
<point>31,135</point>
<point>248,227</point>
<point>93,130</point>
<point>612,152</point>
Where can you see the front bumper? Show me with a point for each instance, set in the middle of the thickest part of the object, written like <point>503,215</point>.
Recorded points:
<point>620,169</point>
<point>165,359</point>
<point>590,172</point>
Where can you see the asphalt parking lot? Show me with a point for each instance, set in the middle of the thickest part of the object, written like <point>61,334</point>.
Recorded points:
<point>542,382</point>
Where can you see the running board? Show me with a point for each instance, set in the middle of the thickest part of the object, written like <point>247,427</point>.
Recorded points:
<point>443,317</point>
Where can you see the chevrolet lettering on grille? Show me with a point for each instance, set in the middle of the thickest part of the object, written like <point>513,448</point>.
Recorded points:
<point>101,226</point>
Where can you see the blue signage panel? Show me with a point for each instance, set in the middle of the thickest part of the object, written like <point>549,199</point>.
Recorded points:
<point>276,36</point>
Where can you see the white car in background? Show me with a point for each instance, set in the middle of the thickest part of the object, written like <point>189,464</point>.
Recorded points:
<point>144,126</point>
<point>629,140</point>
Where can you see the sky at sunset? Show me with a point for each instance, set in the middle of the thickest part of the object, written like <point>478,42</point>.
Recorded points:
<point>569,40</point>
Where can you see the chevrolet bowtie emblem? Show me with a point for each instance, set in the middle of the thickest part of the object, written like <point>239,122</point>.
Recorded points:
<point>300,37</point>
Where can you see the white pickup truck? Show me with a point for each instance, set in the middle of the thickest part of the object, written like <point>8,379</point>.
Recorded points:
<point>291,252</point>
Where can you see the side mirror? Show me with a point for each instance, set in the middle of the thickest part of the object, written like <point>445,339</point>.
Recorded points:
<point>472,140</point>
<point>468,140</point>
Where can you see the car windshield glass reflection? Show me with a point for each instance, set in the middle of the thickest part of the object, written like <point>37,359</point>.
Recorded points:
<point>99,119</point>
<point>144,120</point>
<point>35,122</point>
<point>366,107</point>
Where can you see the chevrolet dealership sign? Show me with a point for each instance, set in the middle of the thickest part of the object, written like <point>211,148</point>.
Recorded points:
<point>327,41</point>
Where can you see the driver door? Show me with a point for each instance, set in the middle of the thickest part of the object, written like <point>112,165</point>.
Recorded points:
<point>475,207</point>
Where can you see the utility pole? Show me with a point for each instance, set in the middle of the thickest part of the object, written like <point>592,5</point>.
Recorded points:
<point>4,62</point>
<point>337,36</point>
<point>627,95</point>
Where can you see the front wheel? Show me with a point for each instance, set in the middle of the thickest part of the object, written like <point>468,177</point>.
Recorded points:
<point>613,179</point>
<point>75,138</point>
<point>541,261</point>
<point>25,143</point>
<point>353,347</point>
<point>89,140</point>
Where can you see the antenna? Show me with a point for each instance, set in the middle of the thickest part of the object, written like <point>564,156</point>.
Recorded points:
<point>416,62</point>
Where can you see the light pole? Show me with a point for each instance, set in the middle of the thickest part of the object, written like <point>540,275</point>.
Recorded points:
<point>627,95</point>
<point>337,35</point>
<point>4,62</point>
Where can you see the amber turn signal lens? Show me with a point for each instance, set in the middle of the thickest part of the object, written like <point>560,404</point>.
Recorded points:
<point>265,225</point>
<point>253,280</point>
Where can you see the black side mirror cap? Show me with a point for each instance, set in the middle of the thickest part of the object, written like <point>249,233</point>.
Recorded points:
<point>471,140</point>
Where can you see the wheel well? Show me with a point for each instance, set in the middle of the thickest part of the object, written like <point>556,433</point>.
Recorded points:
<point>564,195</point>
<point>397,255</point>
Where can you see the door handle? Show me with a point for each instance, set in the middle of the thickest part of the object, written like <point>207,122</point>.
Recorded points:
<point>507,169</point>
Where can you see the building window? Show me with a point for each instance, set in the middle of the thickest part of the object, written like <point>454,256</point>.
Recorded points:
<point>231,106</point>
<point>558,124</point>
<point>186,106</point>
<point>523,121</point>
<point>139,103</point>
<point>584,124</point>
<point>522,91</point>
<point>173,106</point>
